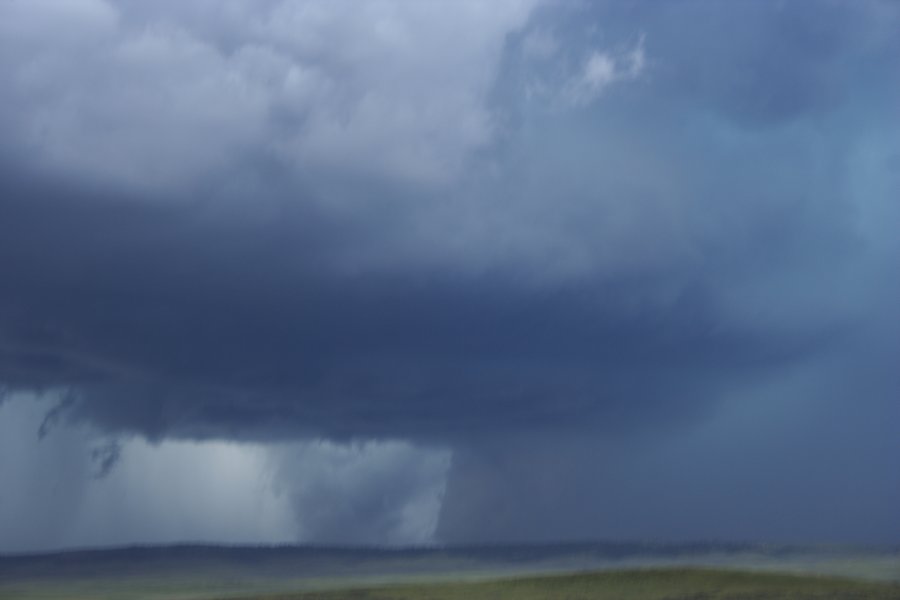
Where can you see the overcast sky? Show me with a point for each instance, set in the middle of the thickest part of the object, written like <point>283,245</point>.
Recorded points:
<point>422,271</point>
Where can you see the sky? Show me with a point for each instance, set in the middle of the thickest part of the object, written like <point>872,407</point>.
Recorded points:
<point>405,272</point>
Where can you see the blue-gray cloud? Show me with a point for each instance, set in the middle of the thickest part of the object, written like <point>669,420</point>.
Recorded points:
<point>600,219</point>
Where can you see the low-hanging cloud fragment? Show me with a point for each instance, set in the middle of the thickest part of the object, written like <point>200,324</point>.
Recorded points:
<point>373,493</point>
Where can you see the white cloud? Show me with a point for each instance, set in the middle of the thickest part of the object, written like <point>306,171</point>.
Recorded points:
<point>161,97</point>
<point>602,69</point>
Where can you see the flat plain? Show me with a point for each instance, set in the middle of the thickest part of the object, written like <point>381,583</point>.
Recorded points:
<point>653,584</point>
<point>548,572</point>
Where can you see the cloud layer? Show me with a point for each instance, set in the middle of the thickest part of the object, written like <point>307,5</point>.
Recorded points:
<point>264,221</point>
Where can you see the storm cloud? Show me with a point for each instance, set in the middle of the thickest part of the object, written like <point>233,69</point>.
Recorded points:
<point>569,226</point>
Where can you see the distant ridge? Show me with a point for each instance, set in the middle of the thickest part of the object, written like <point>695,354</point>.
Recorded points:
<point>614,548</point>
<point>528,549</point>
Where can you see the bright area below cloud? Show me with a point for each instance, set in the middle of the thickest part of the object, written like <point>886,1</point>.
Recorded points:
<point>175,491</point>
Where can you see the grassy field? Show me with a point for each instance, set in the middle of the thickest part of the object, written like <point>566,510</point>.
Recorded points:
<point>566,572</point>
<point>641,584</point>
<point>633,584</point>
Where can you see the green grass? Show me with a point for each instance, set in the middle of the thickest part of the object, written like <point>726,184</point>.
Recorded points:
<point>640,584</point>
<point>520,572</point>
<point>633,584</point>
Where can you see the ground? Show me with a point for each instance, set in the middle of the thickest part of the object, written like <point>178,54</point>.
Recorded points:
<point>563,572</point>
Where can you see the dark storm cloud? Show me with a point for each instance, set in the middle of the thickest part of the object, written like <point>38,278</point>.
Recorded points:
<point>807,456</point>
<point>234,332</point>
<point>221,331</point>
<point>654,219</point>
<point>632,263</point>
<point>819,475</point>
